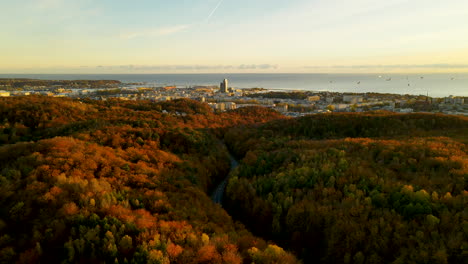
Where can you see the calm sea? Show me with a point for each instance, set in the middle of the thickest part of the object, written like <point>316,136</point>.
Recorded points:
<point>436,85</point>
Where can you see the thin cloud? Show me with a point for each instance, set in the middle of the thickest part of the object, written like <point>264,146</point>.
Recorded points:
<point>188,67</point>
<point>213,11</point>
<point>395,66</point>
<point>163,31</point>
<point>257,66</point>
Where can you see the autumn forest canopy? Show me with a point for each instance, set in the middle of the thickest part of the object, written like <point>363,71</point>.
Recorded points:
<point>130,182</point>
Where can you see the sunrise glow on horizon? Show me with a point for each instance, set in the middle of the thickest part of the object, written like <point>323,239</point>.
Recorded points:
<point>241,36</point>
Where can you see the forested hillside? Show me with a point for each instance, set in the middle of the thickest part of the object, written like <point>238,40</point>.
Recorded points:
<point>356,188</point>
<point>129,182</point>
<point>119,182</point>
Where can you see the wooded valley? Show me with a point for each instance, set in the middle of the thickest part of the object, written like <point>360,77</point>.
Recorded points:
<point>124,182</point>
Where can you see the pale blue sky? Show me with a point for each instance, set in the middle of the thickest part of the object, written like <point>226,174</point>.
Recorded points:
<point>91,36</point>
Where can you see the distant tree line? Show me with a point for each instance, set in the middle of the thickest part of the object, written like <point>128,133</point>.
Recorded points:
<point>22,83</point>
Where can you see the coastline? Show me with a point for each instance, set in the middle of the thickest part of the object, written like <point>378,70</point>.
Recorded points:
<point>434,84</point>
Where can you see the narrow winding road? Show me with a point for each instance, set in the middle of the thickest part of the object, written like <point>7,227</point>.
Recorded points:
<point>218,193</point>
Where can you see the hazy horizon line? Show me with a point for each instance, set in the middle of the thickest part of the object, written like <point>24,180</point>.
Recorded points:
<point>235,73</point>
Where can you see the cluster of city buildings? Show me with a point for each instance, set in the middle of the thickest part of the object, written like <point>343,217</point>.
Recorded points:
<point>225,98</point>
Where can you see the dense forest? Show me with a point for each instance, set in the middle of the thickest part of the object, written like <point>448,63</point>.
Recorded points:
<point>356,188</point>
<point>119,182</point>
<point>129,182</point>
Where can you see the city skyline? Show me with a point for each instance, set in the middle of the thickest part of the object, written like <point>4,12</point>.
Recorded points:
<point>225,36</point>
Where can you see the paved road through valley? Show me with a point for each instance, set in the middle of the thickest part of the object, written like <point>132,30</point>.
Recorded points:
<point>218,193</point>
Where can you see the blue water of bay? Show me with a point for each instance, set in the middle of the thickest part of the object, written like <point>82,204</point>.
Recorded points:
<point>436,85</point>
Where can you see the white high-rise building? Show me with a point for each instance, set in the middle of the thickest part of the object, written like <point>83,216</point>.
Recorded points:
<point>223,87</point>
